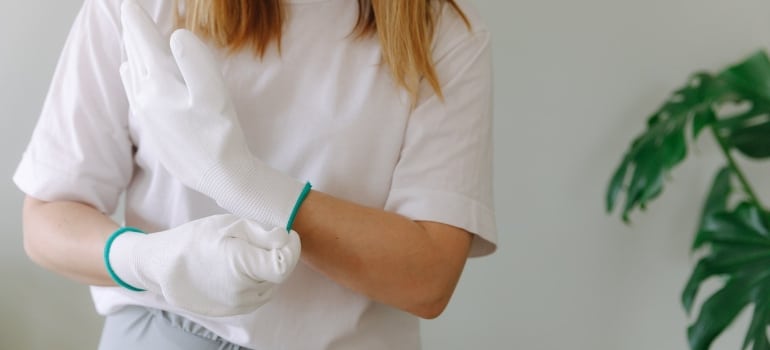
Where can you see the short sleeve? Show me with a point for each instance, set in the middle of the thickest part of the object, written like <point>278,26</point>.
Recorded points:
<point>80,149</point>
<point>444,173</point>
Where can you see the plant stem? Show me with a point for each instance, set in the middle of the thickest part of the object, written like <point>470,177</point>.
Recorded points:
<point>735,168</point>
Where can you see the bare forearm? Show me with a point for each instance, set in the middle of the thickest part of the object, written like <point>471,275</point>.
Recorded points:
<point>68,238</point>
<point>411,265</point>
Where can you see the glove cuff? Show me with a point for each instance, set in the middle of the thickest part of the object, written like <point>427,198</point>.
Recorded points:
<point>256,191</point>
<point>107,250</point>
<point>295,210</point>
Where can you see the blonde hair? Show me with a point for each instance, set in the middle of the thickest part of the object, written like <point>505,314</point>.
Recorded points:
<point>405,29</point>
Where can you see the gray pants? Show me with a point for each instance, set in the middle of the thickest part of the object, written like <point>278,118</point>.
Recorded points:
<point>139,328</point>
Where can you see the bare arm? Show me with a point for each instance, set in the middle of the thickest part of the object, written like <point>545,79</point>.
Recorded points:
<point>411,265</point>
<point>68,238</point>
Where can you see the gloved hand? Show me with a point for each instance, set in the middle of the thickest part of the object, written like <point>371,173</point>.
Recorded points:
<point>182,101</point>
<point>216,266</point>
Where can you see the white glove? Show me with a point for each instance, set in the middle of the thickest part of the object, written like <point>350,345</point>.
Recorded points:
<point>182,101</point>
<point>216,266</point>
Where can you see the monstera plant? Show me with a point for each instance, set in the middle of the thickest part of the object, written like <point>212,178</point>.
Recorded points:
<point>733,107</point>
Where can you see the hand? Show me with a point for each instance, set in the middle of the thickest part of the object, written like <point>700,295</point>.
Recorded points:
<point>216,266</point>
<point>179,96</point>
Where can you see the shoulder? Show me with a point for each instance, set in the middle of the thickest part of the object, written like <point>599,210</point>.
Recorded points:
<point>452,30</point>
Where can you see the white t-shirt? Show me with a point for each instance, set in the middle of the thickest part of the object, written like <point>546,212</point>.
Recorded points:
<point>325,110</point>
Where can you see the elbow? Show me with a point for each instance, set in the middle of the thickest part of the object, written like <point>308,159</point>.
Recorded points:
<point>434,286</point>
<point>431,302</point>
<point>429,296</point>
<point>430,310</point>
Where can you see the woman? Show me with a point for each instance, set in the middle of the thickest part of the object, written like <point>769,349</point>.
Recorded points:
<point>384,106</point>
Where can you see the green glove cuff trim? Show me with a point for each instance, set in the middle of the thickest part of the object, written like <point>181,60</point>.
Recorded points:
<point>302,196</point>
<point>107,247</point>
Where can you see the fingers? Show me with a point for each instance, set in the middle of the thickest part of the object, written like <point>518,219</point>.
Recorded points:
<point>273,265</point>
<point>146,48</point>
<point>197,64</point>
<point>258,236</point>
<point>148,54</point>
<point>267,255</point>
<point>288,257</point>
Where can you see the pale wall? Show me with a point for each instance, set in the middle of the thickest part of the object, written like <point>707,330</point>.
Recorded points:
<point>575,81</point>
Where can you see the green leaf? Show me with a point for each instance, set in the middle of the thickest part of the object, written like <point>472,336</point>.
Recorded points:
<point>701,273</point>
<point>653,153</point>
<point>751,140</point>
<point>717,313</point>
<point>716,201</point>
<point>616,184</point>
<point>675,148</point>
<point>751,77</point>
<point>736,121</point>
<point>735,105</point>
<point>646,182</point>
<point>663,145</point>
<point>753,217</point>
<point>701,120</point>
<point>747,132</point>
<point>739,253</point>
<point>756,335</point>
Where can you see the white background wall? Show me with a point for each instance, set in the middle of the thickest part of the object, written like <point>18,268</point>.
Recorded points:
<point>575,81</point>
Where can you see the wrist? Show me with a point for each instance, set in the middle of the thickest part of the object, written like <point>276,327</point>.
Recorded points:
<point>120,258</point>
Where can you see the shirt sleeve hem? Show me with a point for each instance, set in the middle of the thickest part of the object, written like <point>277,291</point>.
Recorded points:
<point>451,209</point>
<point>47,183</point>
